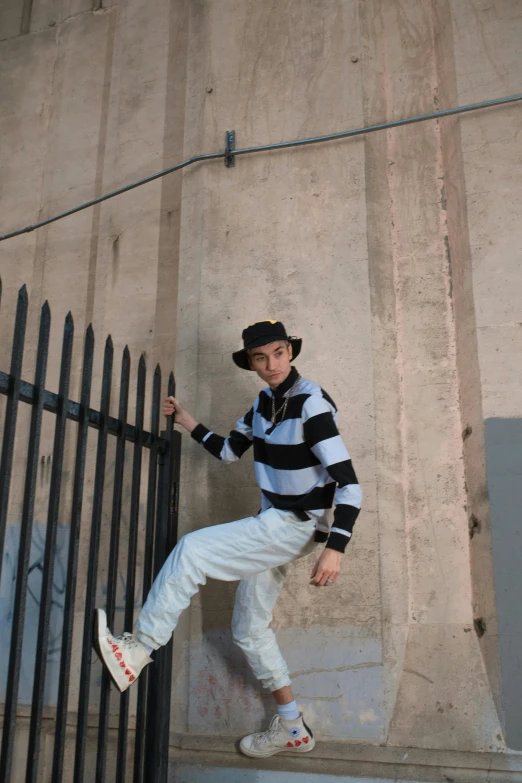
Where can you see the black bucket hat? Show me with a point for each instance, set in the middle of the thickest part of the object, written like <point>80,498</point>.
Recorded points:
<point>263,333</point>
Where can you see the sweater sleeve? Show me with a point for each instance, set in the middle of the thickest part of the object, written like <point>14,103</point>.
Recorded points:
<point>322,436</point>
<point>231,448</point>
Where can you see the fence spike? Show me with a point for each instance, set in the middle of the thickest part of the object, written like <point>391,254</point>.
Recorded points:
<point>11,412</point>
<point>92,568</point>
<point>72,560</point>
<point>141,714</point>
<point>46,597</point>
<point>112,574</point>
<point>24,548</point>
<point>131,564</point>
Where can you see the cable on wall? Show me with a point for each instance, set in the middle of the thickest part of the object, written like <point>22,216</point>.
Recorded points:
<point>229,154</point>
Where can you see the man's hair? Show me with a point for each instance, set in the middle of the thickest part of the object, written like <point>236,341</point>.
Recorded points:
<point>250,351</point>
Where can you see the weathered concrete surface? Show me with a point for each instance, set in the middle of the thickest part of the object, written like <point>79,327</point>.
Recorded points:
<point>488,46</point>
<point>413,281</point>
<point>395,256</point>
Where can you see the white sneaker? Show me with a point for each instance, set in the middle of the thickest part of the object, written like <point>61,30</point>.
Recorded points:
<point>282,736</point>
<point>124,656</point>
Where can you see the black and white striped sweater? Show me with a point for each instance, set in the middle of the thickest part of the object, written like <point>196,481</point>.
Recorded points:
<point>301,464</point>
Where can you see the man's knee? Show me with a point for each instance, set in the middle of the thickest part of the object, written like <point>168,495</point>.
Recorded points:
<point>239,639</point>
<point>241,631</point>
<point>185,545</point>
<point>248,639</point>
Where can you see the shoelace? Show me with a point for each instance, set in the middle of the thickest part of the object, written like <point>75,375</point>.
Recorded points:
<point>270,734</point>
<point>126,641</point>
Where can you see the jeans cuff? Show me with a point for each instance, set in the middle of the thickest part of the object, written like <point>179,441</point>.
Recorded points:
<point>147,640</point>
<point>278,682</point>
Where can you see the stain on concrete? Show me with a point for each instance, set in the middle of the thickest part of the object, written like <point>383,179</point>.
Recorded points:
<point>337,677</point>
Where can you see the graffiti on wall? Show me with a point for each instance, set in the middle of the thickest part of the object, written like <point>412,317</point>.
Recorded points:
<point>7,597</point>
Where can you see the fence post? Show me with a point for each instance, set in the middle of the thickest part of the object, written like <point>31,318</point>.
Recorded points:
<point>160,678</point>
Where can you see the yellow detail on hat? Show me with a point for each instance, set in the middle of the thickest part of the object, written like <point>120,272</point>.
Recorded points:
<point>266,321</point>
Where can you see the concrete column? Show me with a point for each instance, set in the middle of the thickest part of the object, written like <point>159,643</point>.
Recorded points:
<point>432,655</point>
<point>280,235</point>
<point>487,58</point>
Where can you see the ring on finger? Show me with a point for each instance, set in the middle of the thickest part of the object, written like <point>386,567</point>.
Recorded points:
<point>329,580</point>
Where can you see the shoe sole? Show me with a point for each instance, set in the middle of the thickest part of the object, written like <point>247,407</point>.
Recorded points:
<point>96,645</point>
<point>306,749</point>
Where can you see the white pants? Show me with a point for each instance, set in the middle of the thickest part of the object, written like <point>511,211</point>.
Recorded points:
<point>254,550</point>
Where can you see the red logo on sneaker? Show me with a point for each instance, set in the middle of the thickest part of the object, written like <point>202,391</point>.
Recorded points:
<point>305,740</point>
<point>127,671</point>
<point>109,640</point>
<point>115,647</point>
<point>289,745</point>
<point>123,665</point>
<point>297,743</point>
<point>132,678</point>
<point>118,656</point>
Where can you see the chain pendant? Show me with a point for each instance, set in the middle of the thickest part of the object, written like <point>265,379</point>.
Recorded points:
<point>284,406</point>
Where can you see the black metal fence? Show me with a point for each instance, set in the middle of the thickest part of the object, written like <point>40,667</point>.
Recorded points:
<point>70,726</point>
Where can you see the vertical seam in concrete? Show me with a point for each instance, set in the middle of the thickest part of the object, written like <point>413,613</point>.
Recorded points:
<point>167,183</point>
<point>201,217</point>
<point>449,309</point>
<point>380,260</point>
<point>25,22</point>
<point>387,88</point>
<point>359,17</point>
<point>40,247</point>
<point>400,385</point>
<point>100,164</point>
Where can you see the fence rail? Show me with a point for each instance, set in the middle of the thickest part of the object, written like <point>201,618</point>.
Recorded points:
<point>151,733</point>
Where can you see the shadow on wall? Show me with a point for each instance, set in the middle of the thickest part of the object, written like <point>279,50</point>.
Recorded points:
<point>226,679</point>
<point>503,440</point>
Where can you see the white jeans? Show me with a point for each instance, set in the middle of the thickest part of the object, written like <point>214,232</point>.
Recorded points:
<point>254,550</point>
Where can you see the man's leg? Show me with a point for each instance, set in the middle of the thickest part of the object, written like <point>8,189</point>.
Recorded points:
<point>255,600</point>
<point>227,552</point>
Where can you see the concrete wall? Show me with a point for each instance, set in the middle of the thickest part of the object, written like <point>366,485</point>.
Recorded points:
<point>396,256</point>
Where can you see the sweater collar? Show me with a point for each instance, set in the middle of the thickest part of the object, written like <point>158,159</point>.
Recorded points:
<point>287,384</point>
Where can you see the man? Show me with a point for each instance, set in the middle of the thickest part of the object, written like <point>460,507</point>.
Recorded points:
<point>302,467</point>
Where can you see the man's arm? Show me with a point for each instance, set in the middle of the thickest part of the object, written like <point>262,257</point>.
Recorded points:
<point>322,435</point>
<point>323,438</point>
<point>227,449</point>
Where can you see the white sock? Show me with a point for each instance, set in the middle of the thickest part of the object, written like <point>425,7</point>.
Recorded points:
<point>288,711</point>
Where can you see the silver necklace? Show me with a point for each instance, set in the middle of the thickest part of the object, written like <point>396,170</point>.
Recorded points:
<point>284,406</point>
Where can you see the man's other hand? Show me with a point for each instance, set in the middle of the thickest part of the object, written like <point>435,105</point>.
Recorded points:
<point>327,568</point>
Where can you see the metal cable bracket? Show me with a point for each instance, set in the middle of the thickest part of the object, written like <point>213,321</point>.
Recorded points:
<point>230,142</point>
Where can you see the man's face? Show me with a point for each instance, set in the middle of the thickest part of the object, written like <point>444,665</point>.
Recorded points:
<point>272,362</point>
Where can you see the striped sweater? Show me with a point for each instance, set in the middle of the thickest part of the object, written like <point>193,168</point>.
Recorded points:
<point>301,463</point>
